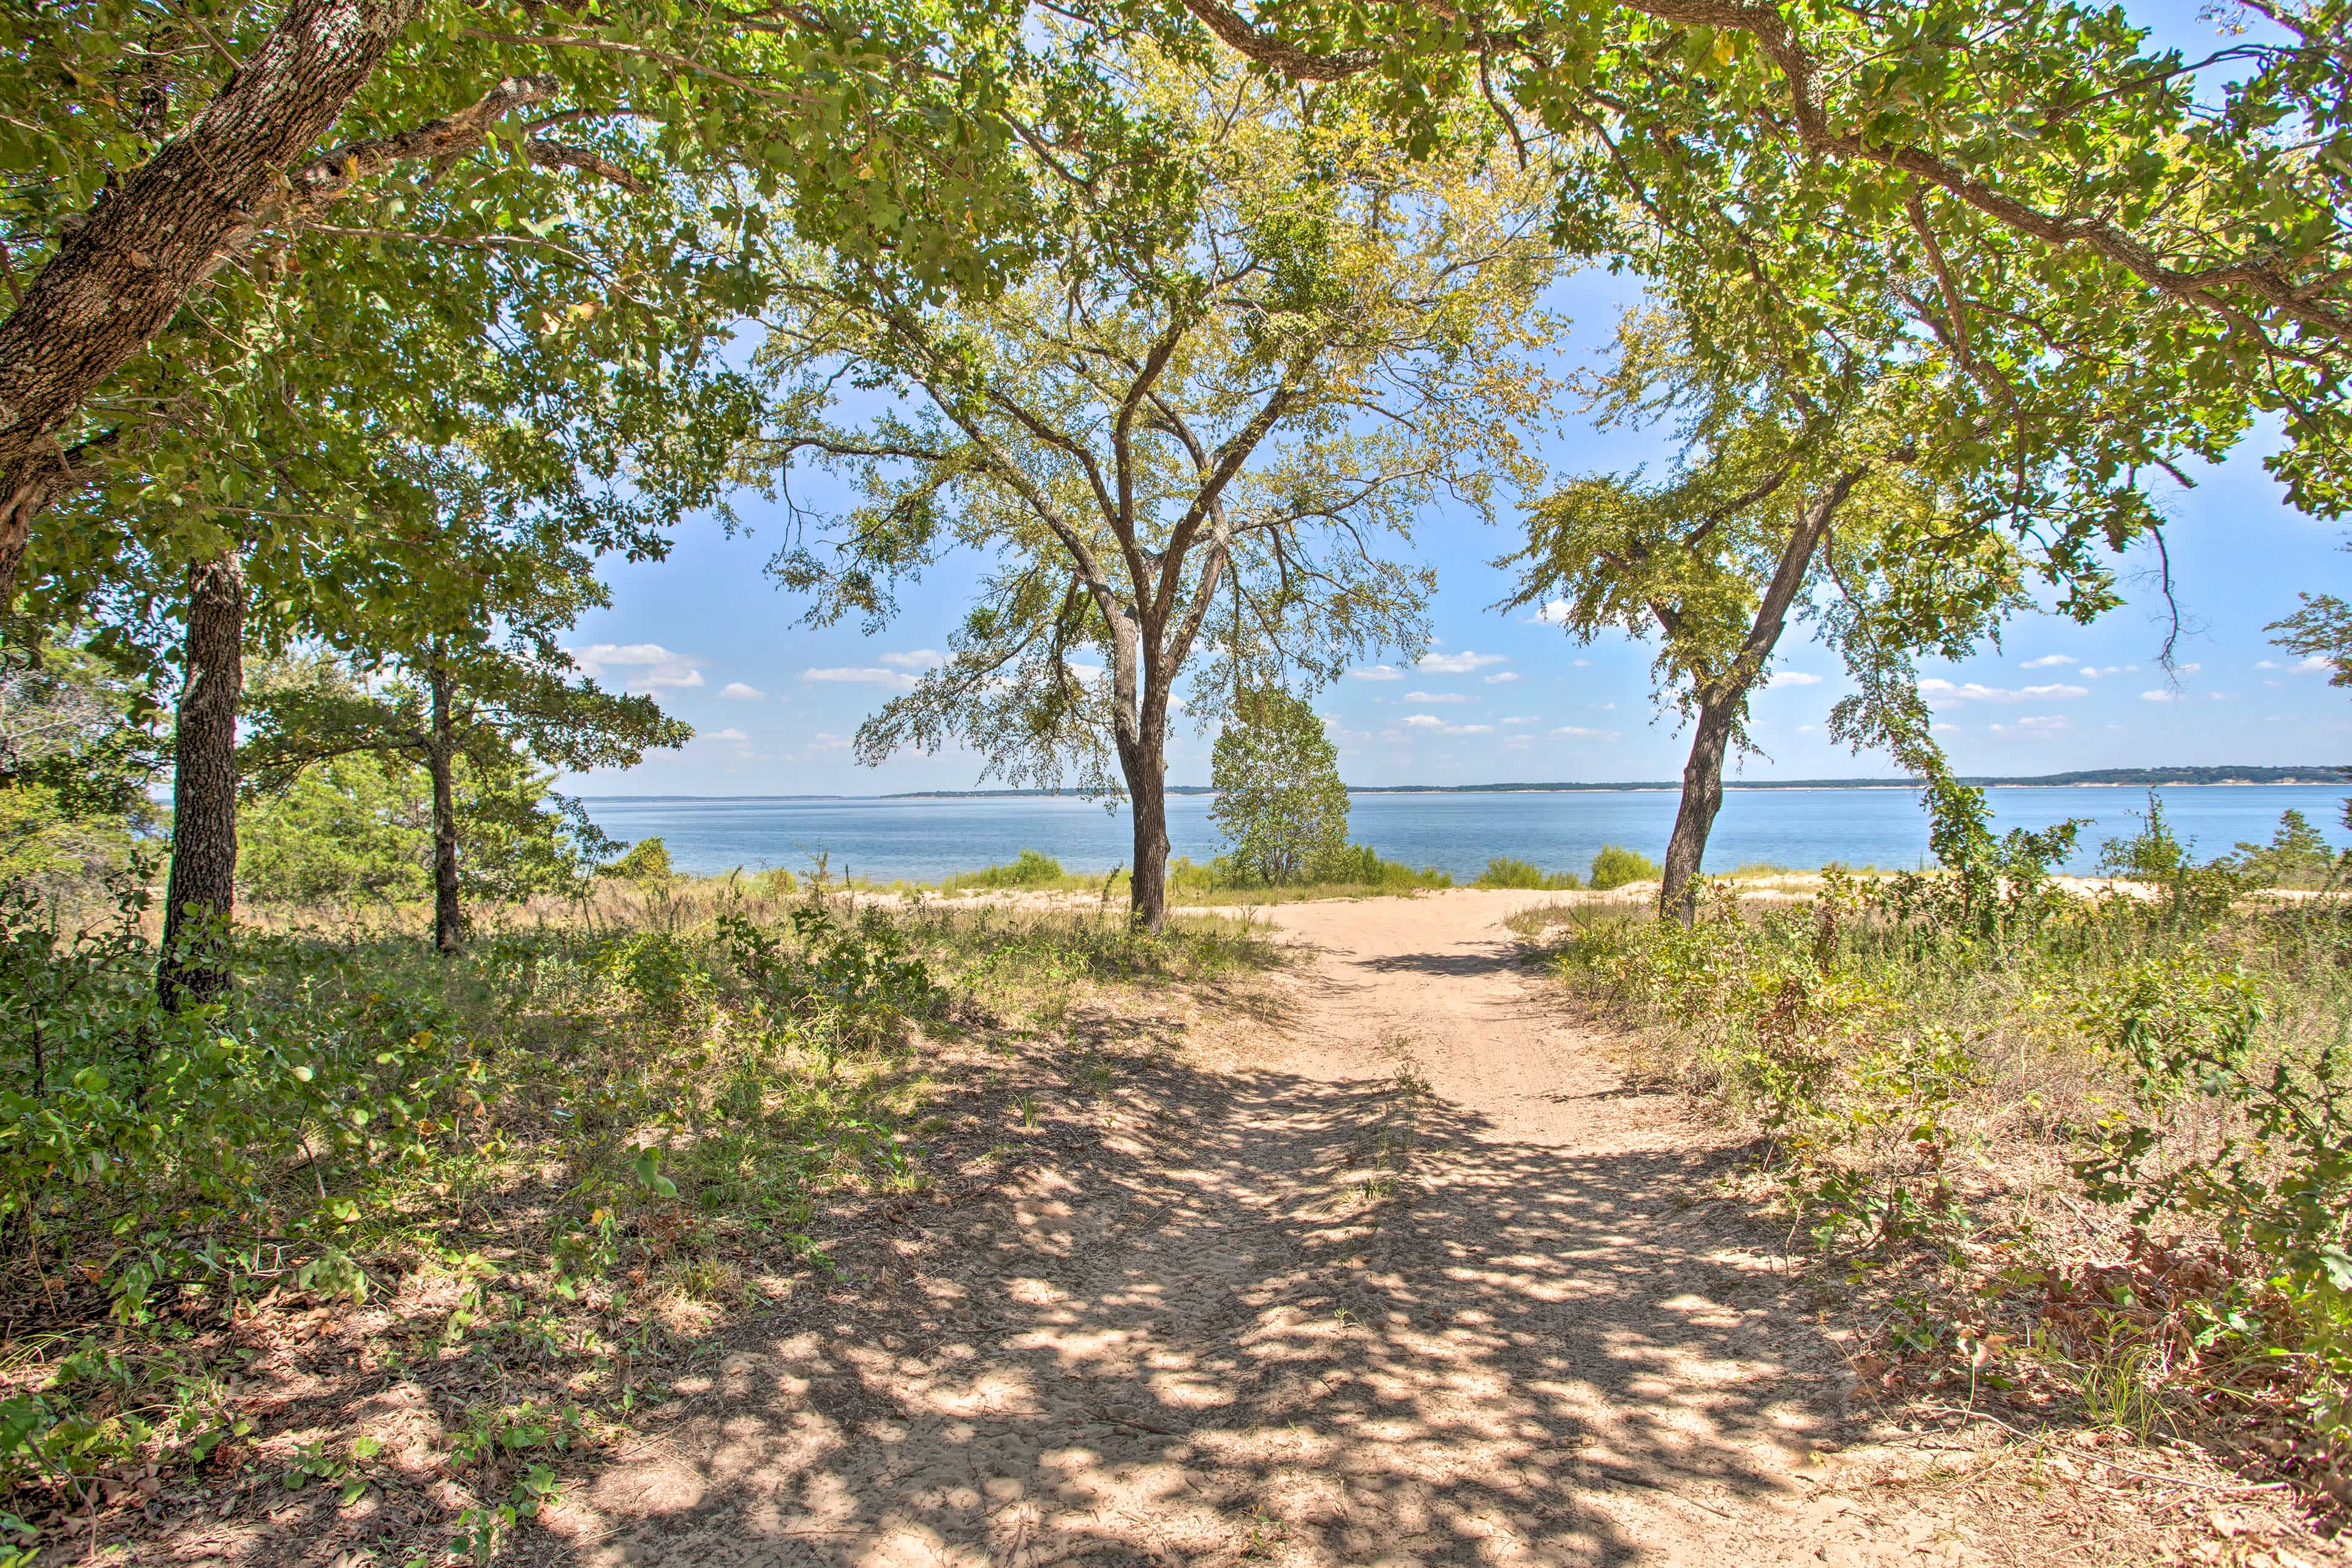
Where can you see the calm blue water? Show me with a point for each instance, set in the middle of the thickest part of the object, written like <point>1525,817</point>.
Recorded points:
<point>925,839</point>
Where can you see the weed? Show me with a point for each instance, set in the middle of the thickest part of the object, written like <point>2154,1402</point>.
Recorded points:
<point>1616,866</point>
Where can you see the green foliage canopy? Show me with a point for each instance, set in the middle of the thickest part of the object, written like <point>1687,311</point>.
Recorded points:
<point>2066,205</point>
<point>583,189</point>
<point>1218,416</point>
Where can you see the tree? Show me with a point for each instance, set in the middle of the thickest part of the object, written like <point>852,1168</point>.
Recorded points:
<point>480,685</point>
<point>2070,181</point>
<point>348,831</point>
<point>200,897</point>
<point>1228,408</point>
<point>2320,629</point>
<point>77,755</point>
<point>1279,798</point>
<point>1785,502</point>
<point>170,181</point>
<point>2297,856</point>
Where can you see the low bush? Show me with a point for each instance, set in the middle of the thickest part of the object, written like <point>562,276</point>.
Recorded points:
<point>2296,856</point>
<point>1503,871</point>
<point>1030,869</point>
<point>1615,865</point>
<point>1927,1058</point>
<point>1351,871</point>
<point>578,1101</point>
<point>647,860</point>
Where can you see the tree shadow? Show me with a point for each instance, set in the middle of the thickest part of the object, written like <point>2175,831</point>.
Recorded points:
<point>1262,1315</point>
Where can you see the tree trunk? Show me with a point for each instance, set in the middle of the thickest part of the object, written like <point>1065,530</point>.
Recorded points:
<point>154,234</point>
<point>1725,698</point>
<point>1147,790</point>
<point>201,897</point>
<point>1694,817</point>
<point>441,762</point>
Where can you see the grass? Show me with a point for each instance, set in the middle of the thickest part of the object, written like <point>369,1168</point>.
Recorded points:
<point>2023,1130</point>
<point>549,1171</point>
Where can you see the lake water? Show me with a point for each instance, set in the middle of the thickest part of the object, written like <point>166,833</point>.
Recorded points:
<point>924,839</point>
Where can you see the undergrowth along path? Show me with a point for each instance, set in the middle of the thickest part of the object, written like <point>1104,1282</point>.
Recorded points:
<point>1387,1264</point>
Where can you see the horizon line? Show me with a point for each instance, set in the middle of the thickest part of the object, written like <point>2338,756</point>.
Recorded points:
<point>2216,777</point>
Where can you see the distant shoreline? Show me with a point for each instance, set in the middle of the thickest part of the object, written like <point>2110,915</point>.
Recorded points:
<point>2102,778</point>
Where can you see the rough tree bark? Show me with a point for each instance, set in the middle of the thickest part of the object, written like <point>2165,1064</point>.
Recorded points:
<point>201,897</point>
<point>1140,735</point>
<point>1146,792</point>
<point>441,762</point>
<point>1722,700</point>
<point>152,236</point>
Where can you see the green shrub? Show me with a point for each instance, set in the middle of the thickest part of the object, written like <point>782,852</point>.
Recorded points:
<point>646,861</point>
<point>1350,863</point>
<point>1503,871</point>
<point>1030,869</point>
<point>1360,866</point>
<point>348,831</point>
<point>1891,1038</point>
<point>1615,865</point>
<point>2296,856</point>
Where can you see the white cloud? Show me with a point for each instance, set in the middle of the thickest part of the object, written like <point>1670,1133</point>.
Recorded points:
<point>1378,672</point>
<point>1520,719</point>
<point>1792,677</point>
<point>2044,722</point>
<point>2049,661</point>
<point>639,666</point>
<point>1424,722</point>
<point>2314,664</point>
<point>1434,697</point>
<point>1804,729</point>
<point>2268,664</point>
<point>1973,692</point>
<point>1463,663</point>
<point>821,741</point>
<point>2093,671</point>
<point>1506,676</point>
<point>2163,695</point>
<point>916,658</point>
<point>2185,670</point>
<point>742,693</point>
<point>1580,730</point>
<point>896,680</point>
<point>730,733</point>
<point>1583,664</point>
<point>1552,612</point>
<point>1432,721</point>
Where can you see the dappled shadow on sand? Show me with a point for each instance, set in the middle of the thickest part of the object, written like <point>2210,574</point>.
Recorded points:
<point>1257,1315</point>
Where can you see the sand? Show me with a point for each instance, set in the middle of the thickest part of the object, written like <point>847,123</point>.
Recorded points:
<point>1387,1266</point>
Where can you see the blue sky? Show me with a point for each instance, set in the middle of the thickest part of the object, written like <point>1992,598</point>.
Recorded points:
<point>1506,697</point>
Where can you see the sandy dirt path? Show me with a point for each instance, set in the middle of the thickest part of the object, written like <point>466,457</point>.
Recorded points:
<point>1397,1271</point>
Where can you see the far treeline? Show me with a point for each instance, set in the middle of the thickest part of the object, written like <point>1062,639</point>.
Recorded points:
<point>2123,776</point>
